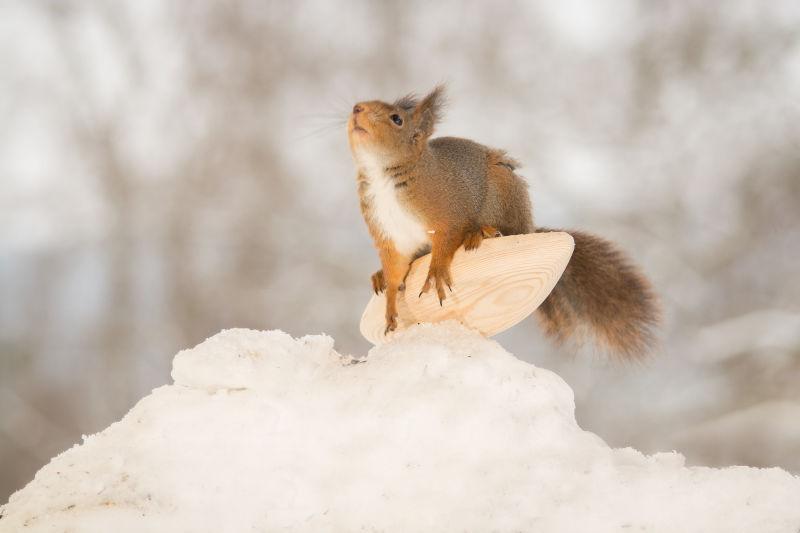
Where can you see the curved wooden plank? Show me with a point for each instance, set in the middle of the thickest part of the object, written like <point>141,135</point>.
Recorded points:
<point>494,287</point>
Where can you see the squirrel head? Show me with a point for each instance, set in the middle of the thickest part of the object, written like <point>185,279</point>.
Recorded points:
<point>396,132</point>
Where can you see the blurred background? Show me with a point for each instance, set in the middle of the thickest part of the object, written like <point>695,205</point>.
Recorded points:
<point>170,169</point>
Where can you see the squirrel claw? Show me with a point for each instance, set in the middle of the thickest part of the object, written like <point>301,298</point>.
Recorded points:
<point>440,278</point>
<point>378,282</point>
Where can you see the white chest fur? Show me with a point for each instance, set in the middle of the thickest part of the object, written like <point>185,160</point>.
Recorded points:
<point>396,222</point>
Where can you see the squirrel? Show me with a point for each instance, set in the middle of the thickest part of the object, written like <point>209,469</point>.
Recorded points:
<point>420,195</point>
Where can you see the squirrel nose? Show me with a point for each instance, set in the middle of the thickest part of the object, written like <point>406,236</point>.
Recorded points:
<point>357,109</point>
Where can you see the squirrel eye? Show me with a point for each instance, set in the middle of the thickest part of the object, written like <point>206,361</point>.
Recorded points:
<point>396,119</point>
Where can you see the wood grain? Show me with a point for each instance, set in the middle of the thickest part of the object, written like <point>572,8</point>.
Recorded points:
<point>494,287</point>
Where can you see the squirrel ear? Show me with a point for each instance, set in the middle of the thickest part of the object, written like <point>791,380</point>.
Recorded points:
<point>428,112</point>
<point>407,102</point>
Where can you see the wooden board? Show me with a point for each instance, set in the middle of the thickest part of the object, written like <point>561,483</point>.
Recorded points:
<point>494,287</point>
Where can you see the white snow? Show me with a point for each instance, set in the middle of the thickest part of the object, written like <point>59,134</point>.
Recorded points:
<point>439,430</point>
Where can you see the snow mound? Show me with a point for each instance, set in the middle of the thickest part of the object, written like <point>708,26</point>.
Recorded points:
<point>439,430</point>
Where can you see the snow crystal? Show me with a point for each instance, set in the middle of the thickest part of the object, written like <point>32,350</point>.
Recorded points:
<point>438,430</point>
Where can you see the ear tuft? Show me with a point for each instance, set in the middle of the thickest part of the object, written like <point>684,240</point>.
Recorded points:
<point>429,111</point>
<point>407,102</point>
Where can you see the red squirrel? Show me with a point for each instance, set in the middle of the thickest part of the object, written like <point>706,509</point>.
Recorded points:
<point>421,195</point>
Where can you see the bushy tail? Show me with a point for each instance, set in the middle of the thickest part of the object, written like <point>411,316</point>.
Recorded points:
<point>602,291</point>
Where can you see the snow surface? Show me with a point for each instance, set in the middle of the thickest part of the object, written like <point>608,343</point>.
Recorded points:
<point>439,430</point>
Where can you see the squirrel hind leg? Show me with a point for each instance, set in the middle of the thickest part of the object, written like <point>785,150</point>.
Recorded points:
<point>474,238</point>
<point>490,232</point>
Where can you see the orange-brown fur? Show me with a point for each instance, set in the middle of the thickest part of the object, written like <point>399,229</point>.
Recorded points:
<point>420,194</point>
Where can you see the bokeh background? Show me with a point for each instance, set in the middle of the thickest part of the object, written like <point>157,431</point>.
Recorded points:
<point>170,169</point>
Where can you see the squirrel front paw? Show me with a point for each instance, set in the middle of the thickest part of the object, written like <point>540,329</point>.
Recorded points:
<point>379,283</point>
<point>439,277</point>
